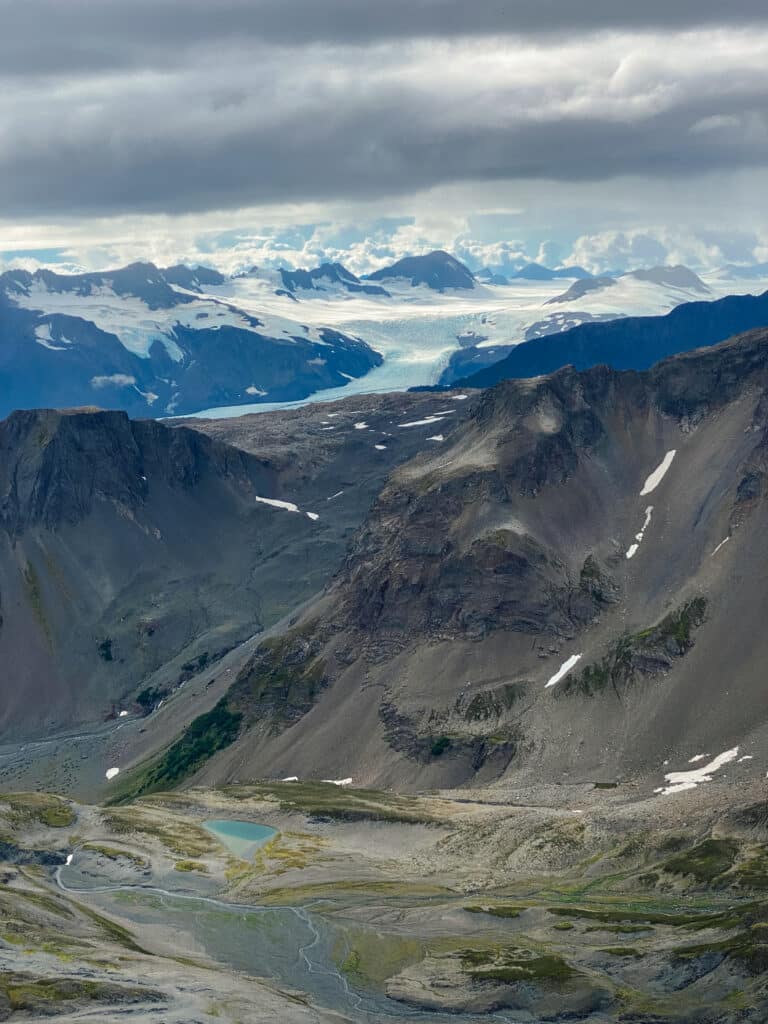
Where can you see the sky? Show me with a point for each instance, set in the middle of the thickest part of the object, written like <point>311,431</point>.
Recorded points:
<point>283,132</point>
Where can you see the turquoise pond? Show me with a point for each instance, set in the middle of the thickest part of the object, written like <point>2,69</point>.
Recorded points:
<point>243,838</point>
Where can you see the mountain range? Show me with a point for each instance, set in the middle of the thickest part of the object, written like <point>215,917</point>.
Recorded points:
<point>549,576</point>
<point>145,340</point>
<point>623,343</point>
<point>131,548</point>
<point>569,586</point>
<point>178,340</point>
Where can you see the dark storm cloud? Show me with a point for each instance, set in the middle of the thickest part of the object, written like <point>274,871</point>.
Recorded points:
<point>371,150</point>
<point>126,107</point>
<point>46,36</point>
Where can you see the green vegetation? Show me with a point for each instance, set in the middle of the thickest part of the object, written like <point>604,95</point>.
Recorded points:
<point>114,853</point>
<point>111,929</point>
<point>191,865</point>
<point>619,929</point>
<point>706,861</point>
<point>752,873</point>
<point>104,647</point>
<point>26,809</point>
<point>493,703</point>
<point>341,803</point>
<point>182,837</point>
<point>440,745</point>
<point>594,582</point>
<point>25,994</point>
<point>678,919</point>
<point>514,964</point>
<point>640,653</point>
<point>150,696</point>
<point>208,733</point>
<point>496,911</point>
<point>283,681</point>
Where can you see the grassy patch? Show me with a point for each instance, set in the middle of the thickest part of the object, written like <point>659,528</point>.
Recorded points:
<point>514,964</point>
<point>25,809</point>
<point>181,837</point>
<point>191,865</point>
<point>752,873</point>
<point>706,861</point>
<point>40,997</point>
<point>116,854</point>
<point>496,911</point>
<point>675,919</point>
<point>341,803</point>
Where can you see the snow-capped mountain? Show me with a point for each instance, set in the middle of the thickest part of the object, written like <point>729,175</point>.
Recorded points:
<point>651,292</point>
<point>178,340</point>
<point>150,342</point>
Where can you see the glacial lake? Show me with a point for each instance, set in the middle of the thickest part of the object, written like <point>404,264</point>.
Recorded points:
<point>243,838</point>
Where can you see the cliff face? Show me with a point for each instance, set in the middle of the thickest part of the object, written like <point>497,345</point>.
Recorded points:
<point>122,546</point>
<point>130,550</point>
<point>610,525</point>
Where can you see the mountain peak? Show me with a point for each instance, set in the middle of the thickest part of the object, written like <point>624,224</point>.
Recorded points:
<point>437,270</point>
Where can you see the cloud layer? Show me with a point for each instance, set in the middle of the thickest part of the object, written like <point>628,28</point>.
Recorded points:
<point>150,122</point>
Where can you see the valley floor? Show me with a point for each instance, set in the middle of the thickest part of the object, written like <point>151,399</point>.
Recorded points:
<point>562,903</point>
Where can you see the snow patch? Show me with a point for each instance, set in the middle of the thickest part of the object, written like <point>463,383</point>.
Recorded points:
<point>722,542</point>
<point>118,380</point>
<point>380,447</point>
<point>698,757</point>
<point>70,857</point>
<point>678,782</point>
<point>658,474</point>
<point>291,778</point>
<point>339,782</point>
<point>564,669</point>
<point>436,437</point>
<point>288,506</point>
<point>122,714</point>
<point>633,548</point>
<point>112,773</point>
<point>362,425</point>
<point>459,398</point>
<point>423,423</point>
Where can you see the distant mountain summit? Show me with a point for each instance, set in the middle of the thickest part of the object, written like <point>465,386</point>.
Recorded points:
<point>670,277</point>
<point>325,276</point>
<point>537,272</point>
<point>437,270</point>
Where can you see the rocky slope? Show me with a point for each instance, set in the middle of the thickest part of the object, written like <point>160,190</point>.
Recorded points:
<point>129,550</point>
<point>570,587</point>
